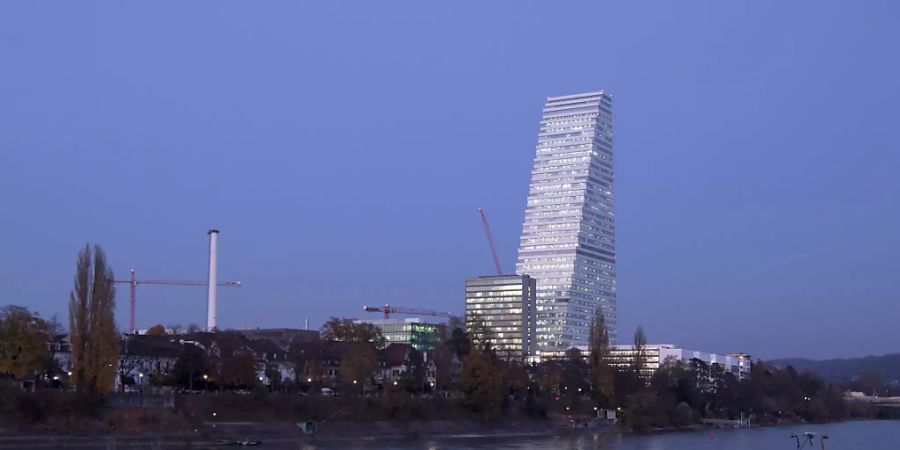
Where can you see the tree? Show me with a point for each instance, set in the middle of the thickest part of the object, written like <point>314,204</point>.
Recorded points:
<point>92,327</point>
<point>460,343</point>
<point>482,383</point>
<point>307,361</point>
<point>443,364</point>
<point>869,382</point>
<point>414,371</point>
<point>193,328</point>
<point>640,356</point>
<point>348,330</point>
<point>23,341</point>
<point>601,371</point>
<point>454,323</point>
<point>127,363</point>
<point>233,362</point>
<point>480,334</point>
<point>190,365</point>
<point>358,365</point>
<point>156,330</point>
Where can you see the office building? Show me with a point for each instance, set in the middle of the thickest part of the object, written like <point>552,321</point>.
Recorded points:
<point>568,237</point>
<point>413,331</point>
<point>501,309</point>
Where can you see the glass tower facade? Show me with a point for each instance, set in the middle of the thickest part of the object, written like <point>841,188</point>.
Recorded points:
<point>501,309</point>
<point>568,238</point>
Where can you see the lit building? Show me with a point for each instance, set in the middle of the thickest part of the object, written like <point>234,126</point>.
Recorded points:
<point>413,331</point>
<point>501,309</point>
<point>568,237</point>
<point>622,356</point>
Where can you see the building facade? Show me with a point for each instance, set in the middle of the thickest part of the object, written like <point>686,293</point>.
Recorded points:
<point>623,356</point>
<point>420,335</point>
<point>568,237</point>
<point>501,308</point>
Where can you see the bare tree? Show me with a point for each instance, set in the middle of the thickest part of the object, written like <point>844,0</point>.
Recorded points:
<point>601,372</point>
<point>92,328</point>
<point>640,356</point>
<point>127,363</point>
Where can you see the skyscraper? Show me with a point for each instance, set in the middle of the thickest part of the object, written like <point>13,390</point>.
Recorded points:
<point>568,238</point>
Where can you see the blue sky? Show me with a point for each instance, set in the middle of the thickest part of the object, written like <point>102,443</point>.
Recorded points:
<point>343,149</point>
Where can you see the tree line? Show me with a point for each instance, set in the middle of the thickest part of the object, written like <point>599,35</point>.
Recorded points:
<point>467,368</point>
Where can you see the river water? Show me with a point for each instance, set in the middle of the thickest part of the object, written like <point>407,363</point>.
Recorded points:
<point>860,435</point>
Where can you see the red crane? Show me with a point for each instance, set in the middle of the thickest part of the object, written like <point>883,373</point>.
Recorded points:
<point>388,309</point>
<point>490,239</point>
<point>133,288</point>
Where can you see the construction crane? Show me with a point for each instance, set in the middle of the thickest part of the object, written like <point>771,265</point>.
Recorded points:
<point>490,239</point>
<point>133,290</point>
<point>388,310</point>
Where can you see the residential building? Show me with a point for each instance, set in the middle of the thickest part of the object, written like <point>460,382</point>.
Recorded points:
<point>568,237</point>
<point>282,337</point>
<point>623,356</point>
<point>421,335</point>
<point>393,361</point>
<point>500,308</point>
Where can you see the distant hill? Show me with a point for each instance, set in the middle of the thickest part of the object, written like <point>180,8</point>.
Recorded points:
<point>836,370</point>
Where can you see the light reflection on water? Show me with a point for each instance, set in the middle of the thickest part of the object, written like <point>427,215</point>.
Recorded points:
<point>861,435</point>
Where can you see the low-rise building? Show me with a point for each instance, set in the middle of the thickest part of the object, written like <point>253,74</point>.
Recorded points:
<point>623,356</point>
<point>414,331</point>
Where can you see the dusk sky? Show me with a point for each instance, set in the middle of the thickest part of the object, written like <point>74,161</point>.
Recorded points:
<point>342,148</point>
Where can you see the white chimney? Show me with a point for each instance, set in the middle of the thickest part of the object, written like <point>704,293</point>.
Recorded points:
<point>211,295</point>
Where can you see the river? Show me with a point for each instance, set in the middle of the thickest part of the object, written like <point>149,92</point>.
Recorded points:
<point>857,435</point>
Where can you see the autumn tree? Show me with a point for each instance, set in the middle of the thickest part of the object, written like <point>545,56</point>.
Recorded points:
<point>598,360</point>
<point>348,330</point>
<point>156,330</point>
<point>92,327</point>
<point>233,362</point>
<point>358,366</point>
<point>306,358</point>
<point>23,341</point>
<point>443,364</point>
<point>482,383</point>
